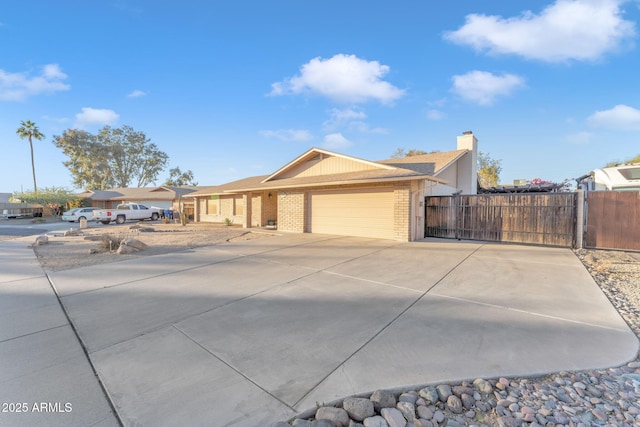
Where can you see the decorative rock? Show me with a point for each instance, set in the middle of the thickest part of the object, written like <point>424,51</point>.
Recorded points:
<point>300,423</point>
<point>383,399</point>
<point>376,421</point>
<point>393,417</point>
<point>467,401</point>
<point>424,412</point>
<point>134,243</point>
<point>355,424</point>
<point>408,397</point>
<point>438,416</point>
<point>41,240</point>
<point>483,386</point>
<point>459,390</point>
<point>444,391</point>
<point>454,404</point>
<point>337,415</point>
<point>408,410</point>
<point>323,423</point>
<point>283,424</point>
<point>358,408</point>
<point>429,394</point>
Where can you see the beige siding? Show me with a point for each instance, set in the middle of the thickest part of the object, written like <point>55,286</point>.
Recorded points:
<point>365,213</point>
<point>325,165</point>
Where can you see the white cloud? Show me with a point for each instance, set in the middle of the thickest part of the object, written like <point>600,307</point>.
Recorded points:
<point>335,141</point>
<point>620,117</point>
<point>482,87</point>
<point>568,29</point>
<point>342,78</point>
<point>343,118</point>
<point>351,119</point>
<point>20,86</point>
<point>580,138</point>
<point>136,94</point>
<point>93,116</point>
<point>435,115</point>
<point>297,135</point>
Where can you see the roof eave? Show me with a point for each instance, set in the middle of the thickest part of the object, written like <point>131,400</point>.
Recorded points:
<point>452,161</point>
<point>335,183</point>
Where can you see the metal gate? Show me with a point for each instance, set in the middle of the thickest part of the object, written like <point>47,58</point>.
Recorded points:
<point>544,219</point>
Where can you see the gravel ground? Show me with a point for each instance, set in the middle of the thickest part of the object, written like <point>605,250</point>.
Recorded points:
<point>608,397</point>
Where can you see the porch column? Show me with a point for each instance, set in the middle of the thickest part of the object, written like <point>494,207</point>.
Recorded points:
<point>246,218</point>
<point>196,209</point>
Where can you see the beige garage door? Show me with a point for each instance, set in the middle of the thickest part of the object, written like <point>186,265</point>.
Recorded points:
<point>365,213</point>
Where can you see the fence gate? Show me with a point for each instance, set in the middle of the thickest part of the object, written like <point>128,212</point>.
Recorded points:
<point>613,220</point>
<point>543,219</point>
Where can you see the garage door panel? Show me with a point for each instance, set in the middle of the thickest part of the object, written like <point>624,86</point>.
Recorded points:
<point>353,213</point>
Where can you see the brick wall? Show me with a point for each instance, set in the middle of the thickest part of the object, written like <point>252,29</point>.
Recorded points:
<point>292,211</point>
<point>402,210</point>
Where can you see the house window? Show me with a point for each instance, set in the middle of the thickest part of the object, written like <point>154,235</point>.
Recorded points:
<point>238,206</point>
<point>212,206</point>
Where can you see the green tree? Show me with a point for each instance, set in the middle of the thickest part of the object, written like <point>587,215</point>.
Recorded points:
<point>635,159</point>
<point>401,152</point>
<point>29,129</point>
<point>488,170</point>
<point>177,178</point>
<point>115,157</point>
<point>613,163</point>
<point>52,198</point>
<point>88,159</point>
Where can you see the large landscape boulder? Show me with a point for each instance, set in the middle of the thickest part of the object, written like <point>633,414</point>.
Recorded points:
<point>130,245</point>
<point>41,240</point>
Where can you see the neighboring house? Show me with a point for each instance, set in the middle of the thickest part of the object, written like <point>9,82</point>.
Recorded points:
<point>617,178</point>
<point>164,197</point>
<point>327,192</point>
<point>4,197</point>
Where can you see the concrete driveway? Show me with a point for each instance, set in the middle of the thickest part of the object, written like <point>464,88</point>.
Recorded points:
<point>252,332</point>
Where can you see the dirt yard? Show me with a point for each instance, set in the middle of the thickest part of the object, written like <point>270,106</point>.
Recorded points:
<point>65,252</point>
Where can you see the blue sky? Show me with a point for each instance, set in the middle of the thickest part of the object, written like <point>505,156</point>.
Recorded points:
<point>239,88</point>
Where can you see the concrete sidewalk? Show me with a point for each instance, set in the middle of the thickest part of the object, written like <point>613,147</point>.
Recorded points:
<point>46,378</point>
<point>253,332</point>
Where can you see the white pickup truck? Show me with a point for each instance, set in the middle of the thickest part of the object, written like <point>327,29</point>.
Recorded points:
<point>126,212</point>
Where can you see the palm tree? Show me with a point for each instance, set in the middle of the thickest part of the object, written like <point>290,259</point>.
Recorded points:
<point>28,129</point>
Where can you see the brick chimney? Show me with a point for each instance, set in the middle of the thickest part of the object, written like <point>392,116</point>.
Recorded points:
<point>468,179</point>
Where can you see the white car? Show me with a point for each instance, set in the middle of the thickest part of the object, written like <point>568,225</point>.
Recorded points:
<point>75,215</point>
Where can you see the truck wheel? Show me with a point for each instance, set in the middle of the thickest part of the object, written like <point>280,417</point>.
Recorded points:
<point>120,219</point>
<point>154,216</point>
<point>105,222</point>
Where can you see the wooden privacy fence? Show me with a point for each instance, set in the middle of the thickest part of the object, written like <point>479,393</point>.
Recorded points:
<point>544,219</point>
<point>613,220</point>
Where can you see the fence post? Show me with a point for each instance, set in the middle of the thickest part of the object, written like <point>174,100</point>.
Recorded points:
<point>580,219</point>
<point>456,203</point>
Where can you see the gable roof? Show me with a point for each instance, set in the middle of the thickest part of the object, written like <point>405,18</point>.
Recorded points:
<point>432,163</point>
<point>426,166</point>
<point>320,153</point>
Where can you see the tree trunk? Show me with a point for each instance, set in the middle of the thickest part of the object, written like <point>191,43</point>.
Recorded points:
<point>33,166</point>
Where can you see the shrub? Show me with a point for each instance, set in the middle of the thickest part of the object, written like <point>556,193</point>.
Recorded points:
<point>228,222</point>
<point>111,242</point>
